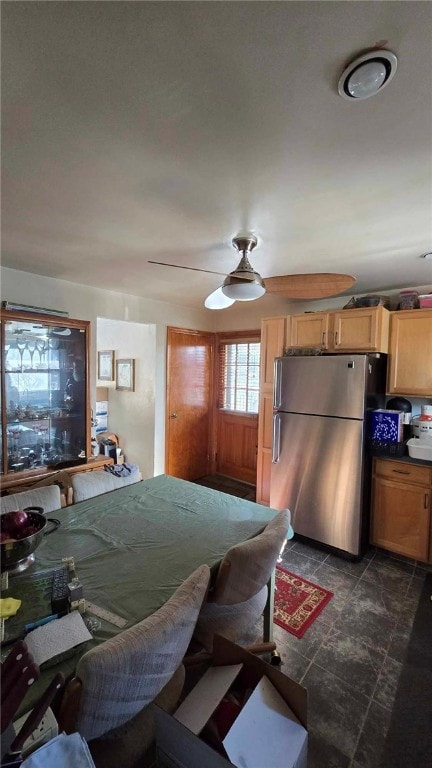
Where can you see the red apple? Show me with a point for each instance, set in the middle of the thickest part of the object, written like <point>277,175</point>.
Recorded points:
<point>14,522</point>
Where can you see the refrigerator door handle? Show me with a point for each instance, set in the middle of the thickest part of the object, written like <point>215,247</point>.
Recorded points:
<point>276,438</point>
<point>277,387</point>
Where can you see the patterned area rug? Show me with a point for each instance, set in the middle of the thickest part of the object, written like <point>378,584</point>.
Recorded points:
<point>297,602</point>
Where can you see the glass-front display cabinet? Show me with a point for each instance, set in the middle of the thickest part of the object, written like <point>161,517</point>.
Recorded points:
<point>45,412</point>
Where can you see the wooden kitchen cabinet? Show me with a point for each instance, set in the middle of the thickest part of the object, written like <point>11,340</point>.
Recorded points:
<point>273,340</point>
<point>310,330</point>
<point>273,334</point>
<point>410,353</point>
<point>347,330</point>
<point>360,330</point>
<point>401,508</point>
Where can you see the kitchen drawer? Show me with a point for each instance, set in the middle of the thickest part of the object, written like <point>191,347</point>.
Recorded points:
<point>403,471</point>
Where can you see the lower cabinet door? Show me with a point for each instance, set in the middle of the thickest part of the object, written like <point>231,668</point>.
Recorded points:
<point>401,518</point>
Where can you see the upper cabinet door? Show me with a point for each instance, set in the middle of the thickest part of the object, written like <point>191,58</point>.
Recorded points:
<point>310,330</point>
<point>365,330</point>
<point>410,359</point>
<point>272,345</point>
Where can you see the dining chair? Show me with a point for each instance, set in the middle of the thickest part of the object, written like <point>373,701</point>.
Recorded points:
<point>85,485</point>
<point>108,700</point>
<point>240,592</point>
<point>48,497</point>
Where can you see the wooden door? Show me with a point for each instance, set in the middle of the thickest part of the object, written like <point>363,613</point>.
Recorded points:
<point>190,357</point>
<point>237,437</point>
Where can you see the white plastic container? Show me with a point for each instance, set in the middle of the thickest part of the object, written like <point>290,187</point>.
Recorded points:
<point>420,449</point>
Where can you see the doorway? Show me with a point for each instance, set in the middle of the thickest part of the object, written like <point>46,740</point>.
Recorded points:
<point>190,357</point>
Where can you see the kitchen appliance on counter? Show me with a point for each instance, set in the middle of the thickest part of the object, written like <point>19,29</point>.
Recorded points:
<point>320,468</point>
<point>422,425</point>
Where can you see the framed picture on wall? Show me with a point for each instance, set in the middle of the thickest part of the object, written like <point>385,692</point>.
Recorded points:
<point>106,365</point>
<point>125,375</point>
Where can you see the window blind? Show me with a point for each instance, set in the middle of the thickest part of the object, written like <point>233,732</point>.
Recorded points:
<point>239,376</point>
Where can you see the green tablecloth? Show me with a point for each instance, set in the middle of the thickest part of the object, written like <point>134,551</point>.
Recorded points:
<point>134,546</point>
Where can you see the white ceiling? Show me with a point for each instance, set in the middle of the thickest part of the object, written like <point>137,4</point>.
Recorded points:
<point>157,130</point>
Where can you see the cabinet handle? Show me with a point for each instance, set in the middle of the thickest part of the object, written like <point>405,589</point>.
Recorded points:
<point>426,501</point>
<point>401,471</point>
<point>336,339</point>
<point>323,339</point>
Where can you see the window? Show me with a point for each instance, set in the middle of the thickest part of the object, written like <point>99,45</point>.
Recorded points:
<point>239,376</point>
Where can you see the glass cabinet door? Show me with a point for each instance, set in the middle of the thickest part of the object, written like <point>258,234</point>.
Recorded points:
<point>45,394</point>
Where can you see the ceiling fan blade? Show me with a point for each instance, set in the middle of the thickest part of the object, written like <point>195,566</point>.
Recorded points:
<point>218,300</point>
<point>180,266</point>
<point>319,285</point>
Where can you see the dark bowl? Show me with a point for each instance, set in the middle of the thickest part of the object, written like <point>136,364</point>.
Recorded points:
<point>18,552</point>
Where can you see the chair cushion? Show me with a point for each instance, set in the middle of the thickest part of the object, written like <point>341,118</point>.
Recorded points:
<point>48,498</point>
<point>247,567</point>
<point>230,621</point>
<point>88,484</point>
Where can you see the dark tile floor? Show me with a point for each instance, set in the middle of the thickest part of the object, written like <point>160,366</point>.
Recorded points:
<point>351,657</point>
<point>228,485</point>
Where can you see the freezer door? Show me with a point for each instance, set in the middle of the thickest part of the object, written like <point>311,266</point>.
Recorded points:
<point>317,474</point>
<point>329,386</point>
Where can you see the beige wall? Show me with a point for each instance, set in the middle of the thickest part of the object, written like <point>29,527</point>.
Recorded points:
<point>131,415</point>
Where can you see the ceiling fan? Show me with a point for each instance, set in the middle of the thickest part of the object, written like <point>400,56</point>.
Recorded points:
<point>245,284</point>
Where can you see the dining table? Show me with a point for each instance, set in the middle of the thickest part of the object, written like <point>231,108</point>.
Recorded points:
<point>132,548</point>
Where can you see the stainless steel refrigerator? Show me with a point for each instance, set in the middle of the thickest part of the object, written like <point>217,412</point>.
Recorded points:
<point>320,468</point>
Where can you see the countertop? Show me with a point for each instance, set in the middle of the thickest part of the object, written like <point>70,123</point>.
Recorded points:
<point>406,460</point>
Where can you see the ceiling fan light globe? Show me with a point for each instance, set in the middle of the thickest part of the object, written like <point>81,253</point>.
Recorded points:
<point>218,300</point>
<point>243,290</point>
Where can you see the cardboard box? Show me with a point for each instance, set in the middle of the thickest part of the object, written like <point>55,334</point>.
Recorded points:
<point>386,425</point>
<point>269,728</point>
